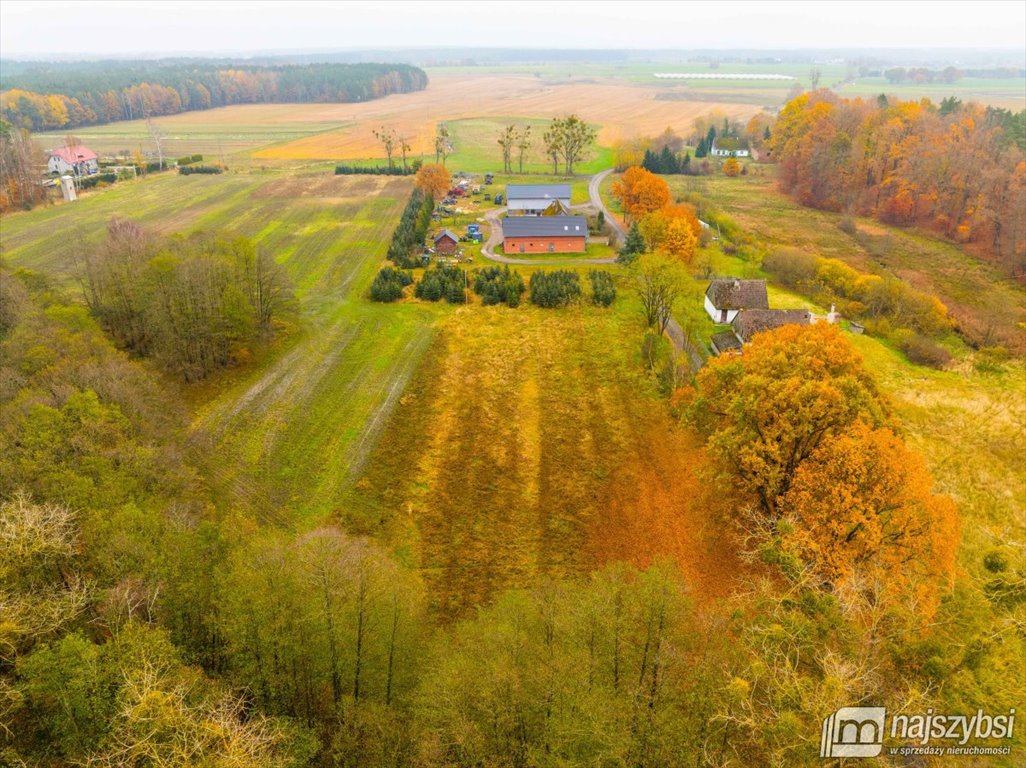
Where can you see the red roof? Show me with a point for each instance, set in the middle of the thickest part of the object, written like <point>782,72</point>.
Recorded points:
<point>73,155</point>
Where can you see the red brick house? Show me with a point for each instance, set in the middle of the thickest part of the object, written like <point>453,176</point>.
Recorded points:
<point>446,243</point>
<point>544,234</point>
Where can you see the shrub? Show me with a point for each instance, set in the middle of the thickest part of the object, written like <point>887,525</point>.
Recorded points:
<point>555,289</point>
<point>97,178</point>
<point>442,282</point>
<point>921,351</point>
<point>188,169</point>
<point>603,291</point>
<point>790,266</point>
<point>847,225</point>
<point>189,160</point>
<point>496,285</point>
<point>373,170</point>
<point>389,283</point>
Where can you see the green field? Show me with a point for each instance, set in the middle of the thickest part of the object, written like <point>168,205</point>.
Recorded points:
<point>281,438</point>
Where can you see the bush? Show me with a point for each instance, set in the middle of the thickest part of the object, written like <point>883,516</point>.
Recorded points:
<point>442,282</point>
<point>97,178</point>
<point>189,159</point>
<point>372,170</point>
<point>188,169</point>
<point>790,266</point>
<point>389,283</point>
<point>555,289</point>
<point>921,351</point>
<point>497,285</point>
<point>847,225</point>
<point>603,291</point>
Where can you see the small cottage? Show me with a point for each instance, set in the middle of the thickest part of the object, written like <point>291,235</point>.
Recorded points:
<point>749,322</point>
<point>724,298</point>
<point>446,243</point>
<point>76,160</point>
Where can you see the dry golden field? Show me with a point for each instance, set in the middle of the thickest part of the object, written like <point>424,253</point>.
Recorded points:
<point>622,110</point>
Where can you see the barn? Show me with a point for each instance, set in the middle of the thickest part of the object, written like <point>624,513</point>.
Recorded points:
<point>446,243</point>
<point>532,199</point>
<point>544,234</point>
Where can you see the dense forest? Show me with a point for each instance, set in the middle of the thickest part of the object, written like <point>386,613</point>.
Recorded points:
<point>54,96</point>
<point>958,169</point>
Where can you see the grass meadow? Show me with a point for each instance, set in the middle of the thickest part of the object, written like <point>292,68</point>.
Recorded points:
<point>280,437</point>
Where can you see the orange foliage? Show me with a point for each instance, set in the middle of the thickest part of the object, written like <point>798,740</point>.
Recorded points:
<point>862,506</point>
<point>434,179</point>
<point>673,229</point>
<point>731,167</point>
<point>639,192</point>
<point>958,170</point>
<point>770,408</point>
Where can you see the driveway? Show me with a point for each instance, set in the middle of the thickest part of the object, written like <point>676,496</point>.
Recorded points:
<point>495,231</point>
<point>596,202</point>
<point>495,239</point>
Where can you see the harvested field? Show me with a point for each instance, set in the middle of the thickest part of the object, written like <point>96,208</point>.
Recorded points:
<point>621,109</point>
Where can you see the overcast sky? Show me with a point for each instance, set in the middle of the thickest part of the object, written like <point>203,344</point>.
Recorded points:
<point>122,28</point>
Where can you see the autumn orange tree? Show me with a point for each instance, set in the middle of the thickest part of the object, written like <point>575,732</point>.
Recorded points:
<point>433,179</point>
<point>802,434</point>
<point>768,410</point>
<point>673,229</point>
<point>861,507</point>
<point>731,167</point>
<point>640,192</point>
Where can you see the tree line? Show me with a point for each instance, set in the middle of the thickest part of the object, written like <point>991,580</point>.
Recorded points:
<point>565,142</point>
<point>954,168</point>
<point>50,97</point>
<point>192,304</point>
<point>408,237</point>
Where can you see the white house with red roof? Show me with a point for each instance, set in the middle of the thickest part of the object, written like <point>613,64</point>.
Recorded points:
<point>77,159</point>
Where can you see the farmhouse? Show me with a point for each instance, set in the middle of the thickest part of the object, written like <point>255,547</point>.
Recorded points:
<point>749,322</point>
<point>533,199</point>
<point>544,234</point>
<point>446,243</point>
<point>77,160</point>
<point>729,147</point>
<point>725,297</point>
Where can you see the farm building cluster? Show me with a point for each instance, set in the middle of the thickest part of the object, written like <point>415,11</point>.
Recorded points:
<point>539,220</point>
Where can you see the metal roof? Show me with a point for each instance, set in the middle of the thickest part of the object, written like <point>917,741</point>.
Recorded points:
<point>542,191</point>
<point>452,235</point>
<point>545,226</point>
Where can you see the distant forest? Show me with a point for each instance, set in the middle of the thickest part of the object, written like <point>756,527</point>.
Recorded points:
<point>54,96</point>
